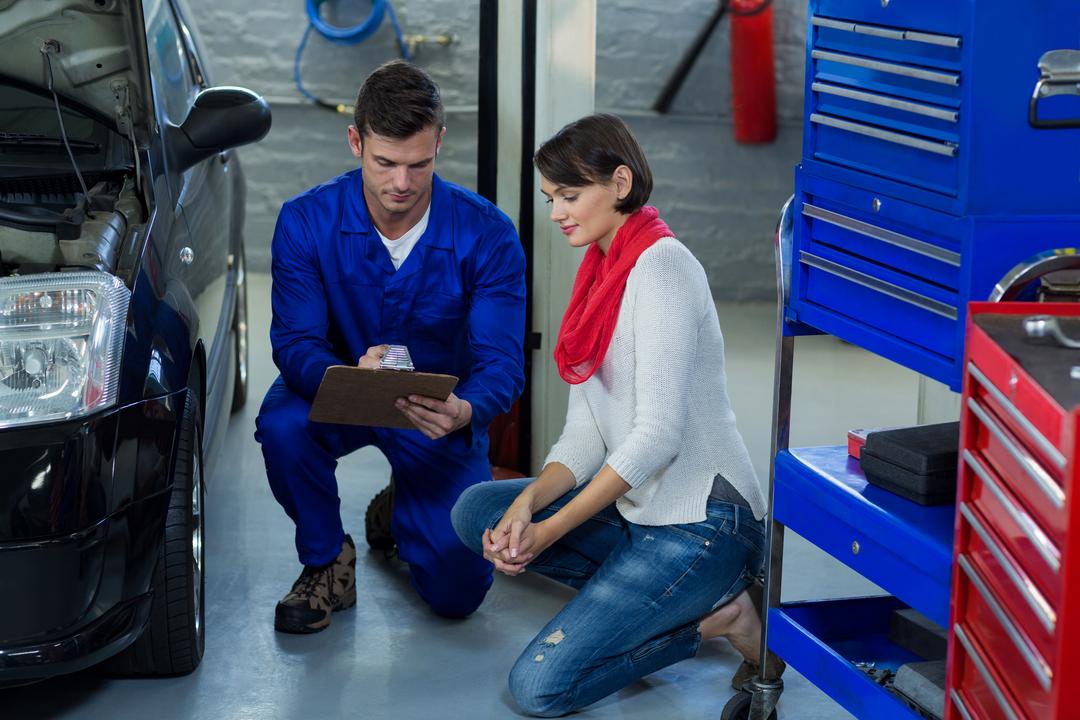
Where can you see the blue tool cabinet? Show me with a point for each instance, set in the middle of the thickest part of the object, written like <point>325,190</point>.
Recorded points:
<point>922,185</point>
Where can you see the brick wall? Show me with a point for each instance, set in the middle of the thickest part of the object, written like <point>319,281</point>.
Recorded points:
<point>721,198</point>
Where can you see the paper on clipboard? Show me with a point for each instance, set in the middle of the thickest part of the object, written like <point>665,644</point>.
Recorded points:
<point>350,395</point>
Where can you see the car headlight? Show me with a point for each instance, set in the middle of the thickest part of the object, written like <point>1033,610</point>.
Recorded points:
<point>61,337</point>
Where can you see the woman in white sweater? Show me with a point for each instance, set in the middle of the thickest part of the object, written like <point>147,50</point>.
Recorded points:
<point>648,503</point>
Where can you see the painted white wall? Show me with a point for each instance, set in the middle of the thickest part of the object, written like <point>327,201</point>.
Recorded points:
<point>565,91</point>
<point>508,175</point>
<point>937,403</point>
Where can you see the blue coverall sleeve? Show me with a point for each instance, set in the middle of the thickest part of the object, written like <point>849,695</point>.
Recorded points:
<point>298,330</point>
<point>496,327</point>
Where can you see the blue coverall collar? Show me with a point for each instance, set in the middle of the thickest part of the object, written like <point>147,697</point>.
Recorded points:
<point>355,217</point>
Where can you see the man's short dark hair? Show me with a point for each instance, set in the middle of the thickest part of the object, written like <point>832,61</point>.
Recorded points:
<point>397,101</point>
<point>588,150</point>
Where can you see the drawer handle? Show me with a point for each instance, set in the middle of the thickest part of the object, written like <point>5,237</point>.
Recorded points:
<point>1037,665</point>
<point>949,41</point>
<point>886,101</point>
<point>1033,432</point>
<point>934,76</point>
<point>938,148</point>
<point>959,705</point>
<point>1059,74</point>
<point>1043,545</point>
<point>886,236</point>
<point>980,665</point>
<point>1031,595</point>
<point>873,283</point>
<point>1031,466</point>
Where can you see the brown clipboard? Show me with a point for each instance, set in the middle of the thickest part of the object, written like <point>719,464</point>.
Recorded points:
<point>350,395</point>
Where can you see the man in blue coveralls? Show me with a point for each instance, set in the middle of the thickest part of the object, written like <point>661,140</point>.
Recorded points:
<point>390,254</point>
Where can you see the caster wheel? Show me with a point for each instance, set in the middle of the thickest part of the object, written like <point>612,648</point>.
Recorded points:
<point>738,708</point>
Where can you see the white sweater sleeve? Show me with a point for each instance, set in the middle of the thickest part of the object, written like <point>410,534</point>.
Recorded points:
<point>580,446</point>
<point>669,288</point>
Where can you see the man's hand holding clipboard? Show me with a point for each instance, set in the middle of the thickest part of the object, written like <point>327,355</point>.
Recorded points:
<point>373,394</point>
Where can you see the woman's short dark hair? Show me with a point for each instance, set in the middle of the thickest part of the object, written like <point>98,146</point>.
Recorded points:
<point>588,150</point>
<point>397,101</point>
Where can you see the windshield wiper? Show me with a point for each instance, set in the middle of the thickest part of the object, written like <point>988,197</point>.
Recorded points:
<point>33,141</point>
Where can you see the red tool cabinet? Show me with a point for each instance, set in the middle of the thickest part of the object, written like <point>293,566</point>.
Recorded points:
<point>1014,649</point>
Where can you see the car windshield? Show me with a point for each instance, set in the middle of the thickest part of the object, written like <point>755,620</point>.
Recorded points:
<point>31,141</point>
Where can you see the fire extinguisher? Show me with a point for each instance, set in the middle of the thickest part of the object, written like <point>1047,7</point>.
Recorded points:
<point>753,80</point>
<point>753,85</point>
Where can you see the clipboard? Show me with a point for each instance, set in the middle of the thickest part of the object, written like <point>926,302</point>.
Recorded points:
<point>350,395</point>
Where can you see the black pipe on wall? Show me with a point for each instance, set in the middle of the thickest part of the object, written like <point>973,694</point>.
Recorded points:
<point>525,217</point>
<point>487,131</point>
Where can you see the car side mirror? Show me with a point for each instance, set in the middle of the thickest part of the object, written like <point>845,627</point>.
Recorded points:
<point>221,118</point>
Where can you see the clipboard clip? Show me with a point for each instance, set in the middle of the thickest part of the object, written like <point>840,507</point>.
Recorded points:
<point>397,358</point>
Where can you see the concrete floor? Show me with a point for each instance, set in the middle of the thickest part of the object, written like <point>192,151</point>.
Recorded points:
<point>390,657</point>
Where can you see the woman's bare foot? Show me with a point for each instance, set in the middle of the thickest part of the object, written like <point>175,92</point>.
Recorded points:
<point>738,621</point>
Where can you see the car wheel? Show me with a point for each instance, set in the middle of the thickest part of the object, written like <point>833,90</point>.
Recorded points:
<point>240,331</point>
<point>173,640</point>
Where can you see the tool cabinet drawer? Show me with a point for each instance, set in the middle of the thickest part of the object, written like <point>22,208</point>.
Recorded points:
<point>917,160</point>
<point>933,226</point>
<point>1025,674</point>
<point>831,226</point>
<point>1003,453</point>
<point>1032,613</point>
<point>1019,402</point>
<point>980,692</point>
<point>1022,536</point>
<point>909,80</point>
<point>894,113</point>
<point>887,301</point>
<point>887,42</point>
<point>933,16</point>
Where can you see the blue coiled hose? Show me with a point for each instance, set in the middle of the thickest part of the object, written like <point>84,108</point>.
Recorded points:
<point>344,36</point>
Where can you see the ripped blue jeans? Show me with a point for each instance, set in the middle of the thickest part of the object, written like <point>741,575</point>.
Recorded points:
<point>642,590</point>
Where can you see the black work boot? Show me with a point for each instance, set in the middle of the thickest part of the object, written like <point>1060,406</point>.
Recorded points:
<point>319,592</point>
<point>377,521</point>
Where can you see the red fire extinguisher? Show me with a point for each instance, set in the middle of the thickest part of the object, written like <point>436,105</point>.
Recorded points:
<point>753,82</point>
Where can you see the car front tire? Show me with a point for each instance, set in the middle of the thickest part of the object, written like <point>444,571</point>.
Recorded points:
<point>174,638</point>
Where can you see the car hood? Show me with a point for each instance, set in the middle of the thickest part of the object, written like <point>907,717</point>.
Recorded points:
<point>101,62</point>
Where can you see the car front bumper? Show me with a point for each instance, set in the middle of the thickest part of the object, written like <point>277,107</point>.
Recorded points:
<point>82,513</point>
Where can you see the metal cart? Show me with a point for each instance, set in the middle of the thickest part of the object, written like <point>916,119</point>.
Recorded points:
<point>902,214</point>
<point>821,493</point>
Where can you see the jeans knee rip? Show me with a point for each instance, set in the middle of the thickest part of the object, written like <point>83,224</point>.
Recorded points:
<point>555,638</point>
<point>550,641</point>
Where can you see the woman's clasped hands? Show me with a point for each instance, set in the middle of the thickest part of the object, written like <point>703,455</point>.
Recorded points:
<point>516,540</point>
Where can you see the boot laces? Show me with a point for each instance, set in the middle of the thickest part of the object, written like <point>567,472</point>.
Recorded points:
<point>309,579</point>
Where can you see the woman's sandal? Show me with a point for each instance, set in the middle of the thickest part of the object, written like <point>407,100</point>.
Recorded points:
<point>747,670</point>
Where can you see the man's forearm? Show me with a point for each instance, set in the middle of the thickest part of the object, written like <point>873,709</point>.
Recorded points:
<point>303,369</point>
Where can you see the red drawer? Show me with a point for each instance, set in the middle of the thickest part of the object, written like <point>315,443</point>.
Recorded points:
<point>1011,587</point>
<point>1033,483</point>
<point>1030,412</point>
<point>1005,645</point>
<point>979,691</point>
<point>1021,535</point>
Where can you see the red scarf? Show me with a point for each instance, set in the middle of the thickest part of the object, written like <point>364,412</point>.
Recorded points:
<point>590,317</point>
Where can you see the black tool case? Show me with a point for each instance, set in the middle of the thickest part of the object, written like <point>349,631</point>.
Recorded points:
<point>918,463</point>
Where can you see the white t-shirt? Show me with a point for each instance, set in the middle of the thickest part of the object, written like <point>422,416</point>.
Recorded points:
<point>399,249</point>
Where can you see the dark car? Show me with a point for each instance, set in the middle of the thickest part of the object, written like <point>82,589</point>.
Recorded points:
<point>123,335</point>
